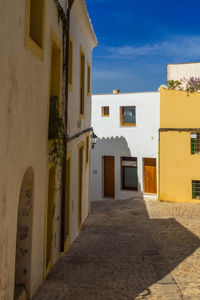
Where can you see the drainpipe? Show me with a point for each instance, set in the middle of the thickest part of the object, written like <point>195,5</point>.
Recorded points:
<point>63,172</point>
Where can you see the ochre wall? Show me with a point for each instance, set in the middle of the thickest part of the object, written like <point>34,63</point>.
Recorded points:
<point>177,166</point>
<point>24,94</point>
<point>179,110</point>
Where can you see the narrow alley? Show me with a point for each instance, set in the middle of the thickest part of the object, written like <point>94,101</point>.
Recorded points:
<point>132,249</point>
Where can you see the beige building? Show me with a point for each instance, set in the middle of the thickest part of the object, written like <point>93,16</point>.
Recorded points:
<point>31,75</point>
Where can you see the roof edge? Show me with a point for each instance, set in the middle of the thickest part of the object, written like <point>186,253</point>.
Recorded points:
<point>88,21</point>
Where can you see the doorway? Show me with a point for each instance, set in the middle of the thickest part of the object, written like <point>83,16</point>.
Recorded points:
<point>109,176</point>
<point>150,176</point>
<point>80,185</point>
<point>50,217</point>
<point>24,237</point>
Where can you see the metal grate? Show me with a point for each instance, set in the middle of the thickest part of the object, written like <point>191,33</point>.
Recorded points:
<point>195,143</point>
<point>129,173</point>
<point>196,189</point>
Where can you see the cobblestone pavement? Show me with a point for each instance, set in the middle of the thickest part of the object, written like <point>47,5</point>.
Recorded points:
<point>132,249</point>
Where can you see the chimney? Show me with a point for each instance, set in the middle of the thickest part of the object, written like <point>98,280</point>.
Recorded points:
<point>116,92</point>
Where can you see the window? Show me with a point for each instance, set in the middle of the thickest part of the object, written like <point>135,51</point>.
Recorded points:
<point>70,70</point>
<point>82,83</point>
<point>105,111</point>
<point>195,143</point>
<point>55,77</point>
<point>36,21</point>
<point>195,189</point>
<point>87,150</point>
<point>88,80</point>
<point>129,173</point>
<point>128,116</point>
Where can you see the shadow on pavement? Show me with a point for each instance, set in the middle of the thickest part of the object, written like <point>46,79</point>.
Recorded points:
<point>119,254</point>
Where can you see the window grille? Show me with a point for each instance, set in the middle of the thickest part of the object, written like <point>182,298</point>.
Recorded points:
<point>196,189</point>
<point>129,173</point>
<point>195,143</point>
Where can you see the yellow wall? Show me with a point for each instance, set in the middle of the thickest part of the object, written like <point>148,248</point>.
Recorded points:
<point>178,167</point>
<point>179,110</point>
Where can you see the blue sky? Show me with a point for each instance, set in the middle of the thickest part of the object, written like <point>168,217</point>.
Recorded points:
<point>137,38</point>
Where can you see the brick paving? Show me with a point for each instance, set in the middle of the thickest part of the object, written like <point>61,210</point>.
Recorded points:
<point>132,249</point>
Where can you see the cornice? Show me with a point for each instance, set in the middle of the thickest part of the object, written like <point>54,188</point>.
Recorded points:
<point>88,21</point>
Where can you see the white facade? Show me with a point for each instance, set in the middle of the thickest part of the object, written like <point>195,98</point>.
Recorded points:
<point>179,71</point>
<point>140,141</point>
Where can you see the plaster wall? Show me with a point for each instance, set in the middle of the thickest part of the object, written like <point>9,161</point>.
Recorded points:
<point>178,167</point>
<point>81,38</point>
<point>179,109</point>
<point>140,141</point>
<point>179,71</point>
<point>24,93</point>
<point>80,34</point>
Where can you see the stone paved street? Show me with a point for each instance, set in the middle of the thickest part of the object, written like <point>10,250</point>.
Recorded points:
<point>131,249</point>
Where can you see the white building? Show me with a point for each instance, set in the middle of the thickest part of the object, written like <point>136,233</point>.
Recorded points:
<point>181,70</point>
<point>124,161</point>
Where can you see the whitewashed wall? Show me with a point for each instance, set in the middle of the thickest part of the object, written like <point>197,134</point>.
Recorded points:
<point>187,70</point>
<point>140,141</point>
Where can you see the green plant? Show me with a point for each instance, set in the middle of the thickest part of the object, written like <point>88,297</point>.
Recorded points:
<point>174,84</point>
<point>57,132</point>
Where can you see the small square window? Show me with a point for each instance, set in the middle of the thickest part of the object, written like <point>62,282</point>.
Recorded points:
<point>195,143</point>
<point>129,173</point>
<point>196,189</point>
<point>105,111</point>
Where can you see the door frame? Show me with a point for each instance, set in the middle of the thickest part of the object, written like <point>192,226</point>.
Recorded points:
<point>143,166</point>
<point>80,185</point>
<point>50,265</point>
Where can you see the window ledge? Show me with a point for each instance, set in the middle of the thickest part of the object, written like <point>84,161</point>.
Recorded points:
<point>34,47</point>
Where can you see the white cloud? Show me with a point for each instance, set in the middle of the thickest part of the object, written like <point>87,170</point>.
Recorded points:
<point>182,47</point>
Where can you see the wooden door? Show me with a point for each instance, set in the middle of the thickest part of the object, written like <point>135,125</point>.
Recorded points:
<point>109,176</point>
<point>80,191</point>
<point>150,178</point>
<point>50,218</point>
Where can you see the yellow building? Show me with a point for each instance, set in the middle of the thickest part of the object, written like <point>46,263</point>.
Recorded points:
<point>35,230</point>
<point>179,146</point>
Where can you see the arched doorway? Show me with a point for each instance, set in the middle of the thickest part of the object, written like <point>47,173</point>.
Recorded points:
<point>24,237</point>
